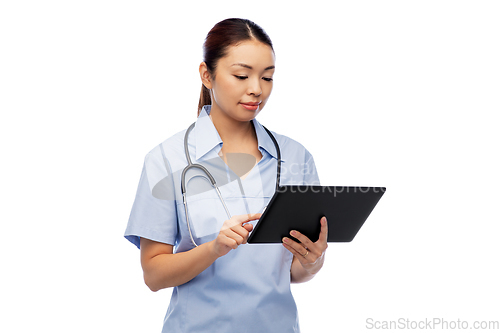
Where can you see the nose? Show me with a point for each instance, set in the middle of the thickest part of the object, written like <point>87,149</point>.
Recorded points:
<point>254,87</point>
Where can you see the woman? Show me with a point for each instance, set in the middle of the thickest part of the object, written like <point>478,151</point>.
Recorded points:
<point>221,283</point>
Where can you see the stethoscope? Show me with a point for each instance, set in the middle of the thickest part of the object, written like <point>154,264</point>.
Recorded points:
<point>212,179</point>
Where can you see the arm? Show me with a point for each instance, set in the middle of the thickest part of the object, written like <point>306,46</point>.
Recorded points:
<point>163,269</point>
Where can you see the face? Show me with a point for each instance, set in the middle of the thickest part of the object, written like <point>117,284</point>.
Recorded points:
<point>243,80</point>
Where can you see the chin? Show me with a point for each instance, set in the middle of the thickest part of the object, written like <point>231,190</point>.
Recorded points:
<point>248,116</point>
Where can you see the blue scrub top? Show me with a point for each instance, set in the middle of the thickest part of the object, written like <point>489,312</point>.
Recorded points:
<point>247,290</point>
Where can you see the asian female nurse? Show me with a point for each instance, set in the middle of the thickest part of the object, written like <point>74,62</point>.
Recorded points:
<point>221,283</point>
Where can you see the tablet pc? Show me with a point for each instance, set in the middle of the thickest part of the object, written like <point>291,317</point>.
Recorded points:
<point>300,207</point>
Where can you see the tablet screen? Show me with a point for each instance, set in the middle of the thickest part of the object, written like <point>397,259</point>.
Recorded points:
<point>300,207</point>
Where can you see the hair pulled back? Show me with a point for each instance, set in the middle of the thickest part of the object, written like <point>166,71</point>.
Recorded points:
<point>224,34</point>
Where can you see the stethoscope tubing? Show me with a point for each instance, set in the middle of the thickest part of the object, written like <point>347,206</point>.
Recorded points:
<point>212,179</point>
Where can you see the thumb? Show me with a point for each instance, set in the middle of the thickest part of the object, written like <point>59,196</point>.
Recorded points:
<point>248,226</point>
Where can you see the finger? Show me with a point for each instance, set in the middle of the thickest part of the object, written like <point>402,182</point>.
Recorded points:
<point>230,242</point>
<point>298,248</point>
<point>248,226</point>
<point>302,238</point>
<point>241,230</point>
<point>234,235</point>
<point>323,235</point>
<point>240,219</point>
<point>300,256</point>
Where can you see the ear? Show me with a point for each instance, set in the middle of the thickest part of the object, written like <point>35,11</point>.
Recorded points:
<point>205,76</point>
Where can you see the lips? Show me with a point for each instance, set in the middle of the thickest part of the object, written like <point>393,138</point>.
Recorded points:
<point>251,106</point>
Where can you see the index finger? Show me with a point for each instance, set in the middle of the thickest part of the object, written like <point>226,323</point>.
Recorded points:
<point>240,219</point>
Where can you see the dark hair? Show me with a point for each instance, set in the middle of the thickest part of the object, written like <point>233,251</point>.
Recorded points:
<point>223,35</point>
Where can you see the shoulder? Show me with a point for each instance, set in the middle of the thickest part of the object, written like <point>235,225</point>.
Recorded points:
<point>298,165</point>
<point>290,146</point>
<point>169,150</point>
<point>169,147</point>
<point>288,142</point>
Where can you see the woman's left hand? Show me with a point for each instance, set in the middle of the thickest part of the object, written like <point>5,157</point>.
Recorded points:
<point>310,255</point>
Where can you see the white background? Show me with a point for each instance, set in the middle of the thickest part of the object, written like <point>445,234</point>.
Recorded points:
<point>402,94</point>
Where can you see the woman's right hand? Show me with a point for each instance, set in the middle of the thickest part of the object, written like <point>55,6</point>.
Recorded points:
<point>233,233</point>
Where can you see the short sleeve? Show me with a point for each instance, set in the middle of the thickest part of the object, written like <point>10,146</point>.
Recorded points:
<point>154,214</point>
<point>310,172</point>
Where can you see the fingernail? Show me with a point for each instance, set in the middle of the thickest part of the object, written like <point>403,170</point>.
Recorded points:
<point>285,239</point>
<point>293,232</point>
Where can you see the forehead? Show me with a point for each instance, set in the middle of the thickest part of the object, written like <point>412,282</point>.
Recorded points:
<point>253,53</point>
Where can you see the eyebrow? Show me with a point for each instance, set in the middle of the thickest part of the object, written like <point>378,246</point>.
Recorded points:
<point>250,67</point>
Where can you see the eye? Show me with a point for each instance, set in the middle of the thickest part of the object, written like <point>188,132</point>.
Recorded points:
<point>268,79</point>
<point>240,77</point>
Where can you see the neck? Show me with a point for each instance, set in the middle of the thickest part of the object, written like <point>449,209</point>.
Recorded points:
<point>230,130</point>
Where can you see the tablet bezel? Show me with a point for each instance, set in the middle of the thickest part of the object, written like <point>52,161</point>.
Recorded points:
<point>300,207</point>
